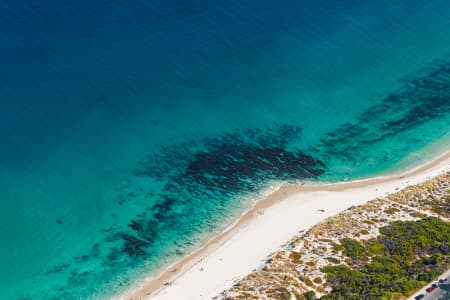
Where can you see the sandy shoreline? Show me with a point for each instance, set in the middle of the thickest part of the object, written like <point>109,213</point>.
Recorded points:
<point>266,226</point>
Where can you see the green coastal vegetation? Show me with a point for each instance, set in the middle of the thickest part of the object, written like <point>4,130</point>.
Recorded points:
<point>387,248</point>
<point>403,258</point>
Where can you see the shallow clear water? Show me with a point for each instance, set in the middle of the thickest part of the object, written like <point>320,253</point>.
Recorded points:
<point>132,130</point>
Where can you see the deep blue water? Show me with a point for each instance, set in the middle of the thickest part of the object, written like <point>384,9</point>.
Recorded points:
<point>131,131</point>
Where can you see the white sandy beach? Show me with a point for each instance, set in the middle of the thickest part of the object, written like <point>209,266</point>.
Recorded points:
<point>265,228</point>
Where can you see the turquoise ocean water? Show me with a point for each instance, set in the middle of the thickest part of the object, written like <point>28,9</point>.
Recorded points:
<point>131,131</point>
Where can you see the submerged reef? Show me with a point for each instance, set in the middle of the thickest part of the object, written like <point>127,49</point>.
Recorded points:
<point>204,176</point>
<point>200,181</point>
<point>420,99</point>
